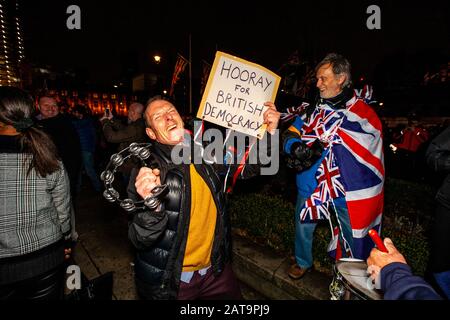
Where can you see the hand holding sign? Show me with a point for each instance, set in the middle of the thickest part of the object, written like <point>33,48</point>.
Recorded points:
<point>236,94</point>
<point>271,117</point>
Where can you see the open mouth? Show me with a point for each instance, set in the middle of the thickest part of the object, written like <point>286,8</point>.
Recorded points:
<point>171,127</point>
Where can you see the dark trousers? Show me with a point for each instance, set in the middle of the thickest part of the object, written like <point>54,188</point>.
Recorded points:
<point>210,287</point>
<point>440,241</point>
<point>439,261</point>
<point>47,286</point>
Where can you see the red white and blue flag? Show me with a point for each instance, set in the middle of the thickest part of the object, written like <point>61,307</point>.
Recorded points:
<point>353,168</point>
<point>292,112</point>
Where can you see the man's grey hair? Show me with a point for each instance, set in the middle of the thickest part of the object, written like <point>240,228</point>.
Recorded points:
<point>137,107</point>
<point>340,66</point>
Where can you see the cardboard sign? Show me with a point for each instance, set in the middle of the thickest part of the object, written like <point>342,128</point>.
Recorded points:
<point>235,94</point>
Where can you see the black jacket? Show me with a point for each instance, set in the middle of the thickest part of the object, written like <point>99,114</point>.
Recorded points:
<point>438,158</point>
<point>65,138</point>
<point>160,237</point>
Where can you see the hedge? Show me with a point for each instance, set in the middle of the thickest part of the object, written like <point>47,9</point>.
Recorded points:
<point>269,219</point>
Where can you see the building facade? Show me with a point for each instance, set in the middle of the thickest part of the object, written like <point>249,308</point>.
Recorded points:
<point>11,43</point>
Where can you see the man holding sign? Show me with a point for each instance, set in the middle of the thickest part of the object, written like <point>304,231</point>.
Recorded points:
<point>184,245</point>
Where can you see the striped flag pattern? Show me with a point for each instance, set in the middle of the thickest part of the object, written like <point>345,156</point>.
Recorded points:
<point>353,168</point>
<point>180,65</point>
<point>206,69</point>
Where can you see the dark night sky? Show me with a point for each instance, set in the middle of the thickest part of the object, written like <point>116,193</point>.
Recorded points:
<point>263,33</point>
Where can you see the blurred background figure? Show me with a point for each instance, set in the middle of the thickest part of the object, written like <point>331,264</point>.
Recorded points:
<point>35,204</point>
<point>84,125</point>
<point>438,158</point>
<point>60,128</point>
<point>117,132</point>
<point>63,134</point>
<point>412,137</point>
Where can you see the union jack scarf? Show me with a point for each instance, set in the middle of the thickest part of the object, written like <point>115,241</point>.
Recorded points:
<point>291,112</point>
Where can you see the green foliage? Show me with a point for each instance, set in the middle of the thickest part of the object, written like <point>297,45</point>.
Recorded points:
<point>409,199</point>
<point>269,220</point>
<point>409,239</point>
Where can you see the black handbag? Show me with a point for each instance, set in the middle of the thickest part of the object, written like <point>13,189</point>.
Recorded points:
<point>97,289</point>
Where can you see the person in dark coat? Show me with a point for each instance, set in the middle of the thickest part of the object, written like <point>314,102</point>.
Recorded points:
<point>84,125</point>
<point>438,158</point>
<point>60,128</point>
<point>184,245</point>
<point>63,134</point>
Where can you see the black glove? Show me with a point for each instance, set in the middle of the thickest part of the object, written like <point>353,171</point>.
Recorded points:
<point>303,157</point>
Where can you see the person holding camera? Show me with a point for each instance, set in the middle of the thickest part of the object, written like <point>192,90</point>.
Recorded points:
<point>183,246</point>
<point>116,132</point>
<point>335,146</point>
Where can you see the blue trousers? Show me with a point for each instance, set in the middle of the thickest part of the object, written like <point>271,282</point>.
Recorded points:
<point>304,232</point>
<point>88,165</point>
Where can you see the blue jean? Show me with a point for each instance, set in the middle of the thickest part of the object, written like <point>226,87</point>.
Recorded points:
<point>88,164</point>
<point>304,232</point>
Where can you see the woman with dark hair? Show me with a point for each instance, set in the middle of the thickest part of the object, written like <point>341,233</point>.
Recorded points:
<point>34,204</point>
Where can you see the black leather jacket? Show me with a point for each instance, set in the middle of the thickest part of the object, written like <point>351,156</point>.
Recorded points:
<point>438,158</point>
<point>160,237</point>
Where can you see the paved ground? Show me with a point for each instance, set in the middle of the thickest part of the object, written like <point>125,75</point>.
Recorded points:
<point>103,244</point>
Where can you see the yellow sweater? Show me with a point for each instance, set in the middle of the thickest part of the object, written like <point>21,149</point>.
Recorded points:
<point>201,226</point>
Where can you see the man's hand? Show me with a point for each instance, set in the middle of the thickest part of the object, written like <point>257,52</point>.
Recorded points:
<point>271,117</point>
<point>377,259</point>
<point>146,181</point>
<point>303,157</point>
<point>106,116</point>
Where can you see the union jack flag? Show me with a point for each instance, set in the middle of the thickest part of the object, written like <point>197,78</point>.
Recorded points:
<point>291,112</point>
<point>329,179</point>
<point>366,94</point>
<point>352,168</point>
<point>315,209</point>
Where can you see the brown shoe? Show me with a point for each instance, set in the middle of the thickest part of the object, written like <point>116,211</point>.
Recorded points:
<point>296,272</point>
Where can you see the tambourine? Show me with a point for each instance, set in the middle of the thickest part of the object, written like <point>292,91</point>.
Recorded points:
<point>142,152</point>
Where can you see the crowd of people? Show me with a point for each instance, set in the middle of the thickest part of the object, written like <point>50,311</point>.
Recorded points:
<point>183,245</point>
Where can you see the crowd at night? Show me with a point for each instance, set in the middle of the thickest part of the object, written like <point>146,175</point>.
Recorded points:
<point>349,103</point>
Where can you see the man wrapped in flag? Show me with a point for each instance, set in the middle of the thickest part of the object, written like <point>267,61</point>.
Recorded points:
<point>336,148</point>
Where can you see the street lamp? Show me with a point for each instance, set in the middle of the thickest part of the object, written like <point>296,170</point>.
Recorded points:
<point>157,59</point>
